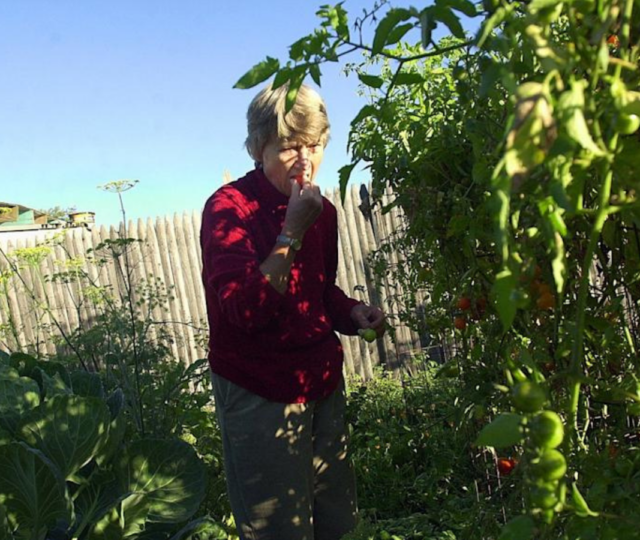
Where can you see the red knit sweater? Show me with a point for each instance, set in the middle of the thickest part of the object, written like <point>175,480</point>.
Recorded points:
<point>280,347</point>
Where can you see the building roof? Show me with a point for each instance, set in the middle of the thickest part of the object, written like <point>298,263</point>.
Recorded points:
<point>18,217</point>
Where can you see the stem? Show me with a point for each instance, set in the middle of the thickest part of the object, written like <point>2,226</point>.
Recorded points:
<point>601,214</point>
<point>132,317</point>
<point>437,52</point>
<point>12,322</point>
<point>575,368</point>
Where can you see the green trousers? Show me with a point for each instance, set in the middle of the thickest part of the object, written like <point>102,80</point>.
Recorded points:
<point>288,476</point>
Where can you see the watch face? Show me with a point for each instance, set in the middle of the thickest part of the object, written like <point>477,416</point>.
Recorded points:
<point>296,244</point>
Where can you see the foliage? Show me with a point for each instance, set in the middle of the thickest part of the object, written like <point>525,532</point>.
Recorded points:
<point>514,155</point>
<point>56,213</point>
<point>419,474</point>
<point>120,347</point>
<point>69,467</point>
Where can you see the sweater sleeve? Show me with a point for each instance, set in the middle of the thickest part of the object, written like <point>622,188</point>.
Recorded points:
<point>231,264</point>
<point>337,303</point>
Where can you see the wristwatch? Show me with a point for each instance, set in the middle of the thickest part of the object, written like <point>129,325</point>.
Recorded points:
<point>293,243</point>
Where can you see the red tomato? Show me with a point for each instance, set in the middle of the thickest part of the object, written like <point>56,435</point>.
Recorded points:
<point>546,301</point>
<point>480,308</point>
<point>506,466</point>
<point>614,41</point>
<point>464,303</point>
<point>460,323</point>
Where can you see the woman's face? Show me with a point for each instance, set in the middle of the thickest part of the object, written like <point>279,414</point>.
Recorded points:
<point>283,160</point>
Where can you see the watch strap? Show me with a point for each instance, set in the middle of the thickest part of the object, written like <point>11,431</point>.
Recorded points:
<point>293,243</point>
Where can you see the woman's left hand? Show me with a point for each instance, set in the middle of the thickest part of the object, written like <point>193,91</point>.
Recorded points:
<point>365,316</point>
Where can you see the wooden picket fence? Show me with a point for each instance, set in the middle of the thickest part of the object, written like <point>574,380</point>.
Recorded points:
<point>169,253</point>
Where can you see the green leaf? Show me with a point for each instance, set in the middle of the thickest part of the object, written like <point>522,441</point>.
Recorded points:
<point>519,528</point>
<point>398,33</point>
<point>409,78</point>
<point>297,77</point>
<point>203,526</point>
<point>117,430</point>
<point>18,395</point>
<point>5,533</point>
<point>335,17</point>
<point>582,508</point>
<point>340,21</point>
<point>9,372</point>
<point>314,71</point>
<point>24,363</point>
<point>463,6</point>
<point>53,386</point>
<point>450,19</point>
<point>160,482</point>
<point>504,431</point>
<point>393,17</point>
<point>99,497</point>
<point>115,402</point>
<point>87,384</point>
<point>69,430</point>
<point>127,520</point>
<point>490,76</point>
<point>365,112</point>
<point>5,437</point>
<point>297,49</point>
<point>345,174</point>
<point>168,475</point>
<point>31,489</point>
<point>318,41</point>
<point>502,290</point>
<point>371,80</point>
<point>427,25</point>
<point>570,109</point>
<point>491,24</point>
<point>53,369</point>
<point>281,78</point>
<point>258,73</point>
<point>553,214</point>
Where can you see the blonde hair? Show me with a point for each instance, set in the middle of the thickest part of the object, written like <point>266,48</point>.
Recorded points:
<point>307,122</point>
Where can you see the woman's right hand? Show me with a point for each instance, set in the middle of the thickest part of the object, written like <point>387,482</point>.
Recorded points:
<point>305,205</point>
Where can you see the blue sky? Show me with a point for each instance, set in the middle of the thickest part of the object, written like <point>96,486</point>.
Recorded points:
<point>98,90</point>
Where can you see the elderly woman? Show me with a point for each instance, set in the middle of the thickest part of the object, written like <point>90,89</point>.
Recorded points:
<point>270,252</point>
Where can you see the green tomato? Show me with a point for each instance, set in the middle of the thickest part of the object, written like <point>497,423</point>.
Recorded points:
<point>626,124</point>
<point>550,466</point>
<point>528,397</point>
<point>459,73</point>
<point>479,412</point>
<point>544,497</point>
<point>546,429</point>
<point>368,334</point>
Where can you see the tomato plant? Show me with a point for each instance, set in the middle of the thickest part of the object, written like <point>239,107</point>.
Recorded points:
<point>513,156</point>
